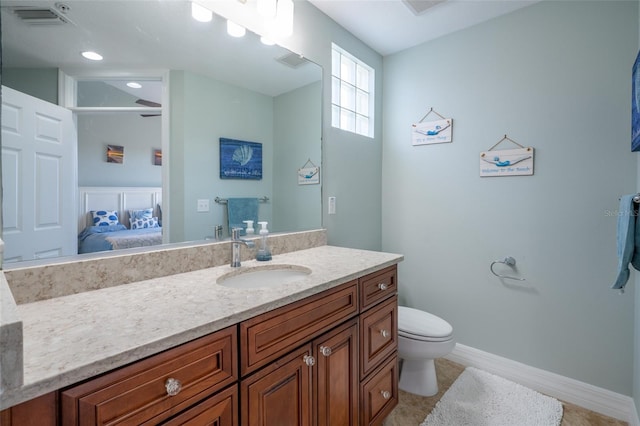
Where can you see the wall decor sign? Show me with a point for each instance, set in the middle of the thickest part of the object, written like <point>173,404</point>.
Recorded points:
<point>510,162</point>
<point>309,174</point>
<point>240,159</point>
<point>115,154</point>
<point>432,132</point>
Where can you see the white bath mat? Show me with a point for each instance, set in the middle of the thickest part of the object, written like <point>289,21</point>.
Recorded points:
<point>480,398</point>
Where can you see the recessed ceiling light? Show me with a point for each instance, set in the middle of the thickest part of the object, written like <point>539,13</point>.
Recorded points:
<point>92,55</point>
<point>134,85</point>
<point>200,13</point>
<point>235,30</point>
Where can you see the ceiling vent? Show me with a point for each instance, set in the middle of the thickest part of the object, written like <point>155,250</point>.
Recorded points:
<point>292,60</point>
<point>40,16</point>
<point>418,7</point>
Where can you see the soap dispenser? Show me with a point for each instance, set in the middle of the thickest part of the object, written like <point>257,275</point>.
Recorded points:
<point>264,253</point>
<point>249,231</point>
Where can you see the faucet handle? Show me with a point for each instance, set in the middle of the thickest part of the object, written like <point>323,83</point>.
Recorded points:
<point>235,233</point>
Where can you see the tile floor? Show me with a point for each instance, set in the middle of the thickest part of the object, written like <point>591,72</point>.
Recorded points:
<point>413,409</point>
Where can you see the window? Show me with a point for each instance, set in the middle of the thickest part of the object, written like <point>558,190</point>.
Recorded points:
<point>352,96</point>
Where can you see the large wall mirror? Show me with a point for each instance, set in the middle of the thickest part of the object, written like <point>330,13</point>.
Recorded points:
<point>156,146</point>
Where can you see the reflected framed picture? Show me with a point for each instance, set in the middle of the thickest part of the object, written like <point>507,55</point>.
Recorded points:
<point>115,154</point>
<point>635,106</point>
<point>240,159</point>
<point>157,157</point>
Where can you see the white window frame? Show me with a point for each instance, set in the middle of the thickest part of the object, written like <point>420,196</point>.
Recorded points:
<point>345,93</point>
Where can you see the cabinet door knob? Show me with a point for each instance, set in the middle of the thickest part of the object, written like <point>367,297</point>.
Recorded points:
<point>325,350</point>
<point>385,394</point>
<point>173,386</point>
<point>382,286</point>
<point>384,333</point>
<point>309,360</point>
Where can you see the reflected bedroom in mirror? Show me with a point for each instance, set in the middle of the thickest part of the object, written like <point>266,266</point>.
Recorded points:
<point>120,148</point>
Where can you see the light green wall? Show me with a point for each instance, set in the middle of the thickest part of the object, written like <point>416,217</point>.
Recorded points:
<point>555,76</point>
<point>297,139</point>
<point>138,135</point>
<point>204,111</point>
<point>41,83</point>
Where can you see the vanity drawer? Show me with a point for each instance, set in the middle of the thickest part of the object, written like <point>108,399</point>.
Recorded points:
<point>138,394</point>
<point>378,335</point>
<point>379,393</point>
<point>218,410</point>
<point>273,334</point>
<point>378,286</point>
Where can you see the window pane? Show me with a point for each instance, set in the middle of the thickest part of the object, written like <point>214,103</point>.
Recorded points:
<point>348,70</point>
<point>362,103</point>
<point>335,116</point>
<point>348,97</point>
<point>362,125</point>
<point>363,78</point>
<point>335,90</point>
<point>347,120</point>
<point>335,63</point>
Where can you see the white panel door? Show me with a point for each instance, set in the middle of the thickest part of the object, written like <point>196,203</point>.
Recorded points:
<point>39,178</point>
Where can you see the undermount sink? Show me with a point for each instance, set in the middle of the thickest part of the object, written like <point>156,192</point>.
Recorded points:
<point>263,276</point>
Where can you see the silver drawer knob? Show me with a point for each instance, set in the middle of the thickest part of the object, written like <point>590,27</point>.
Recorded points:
<point>309,360</point>
<point>382,286</point>
<point>384,333</point>
<point>385,394</point>
<point>325,350</point>
<point>173,386</point>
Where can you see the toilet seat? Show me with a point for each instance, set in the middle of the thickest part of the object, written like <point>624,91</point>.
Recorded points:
<point>419,325</point>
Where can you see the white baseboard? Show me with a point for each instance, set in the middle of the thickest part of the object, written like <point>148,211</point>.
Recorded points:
<point>591,397</point>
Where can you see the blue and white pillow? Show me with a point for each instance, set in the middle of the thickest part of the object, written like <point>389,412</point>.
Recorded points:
<point>104,217</point>
<point>141,214</point>
<point>145,222</point>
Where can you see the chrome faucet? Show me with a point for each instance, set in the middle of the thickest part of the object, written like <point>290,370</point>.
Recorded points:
<point>235,246</point>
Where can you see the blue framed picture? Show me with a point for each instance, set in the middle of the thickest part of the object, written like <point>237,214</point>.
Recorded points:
<point>635,106</point>
<point>240,159</point>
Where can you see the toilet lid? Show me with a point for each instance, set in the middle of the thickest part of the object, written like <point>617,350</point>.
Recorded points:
<point>417,324</point>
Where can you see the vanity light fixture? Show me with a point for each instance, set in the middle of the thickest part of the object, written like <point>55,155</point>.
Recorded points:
<point>267,8</point>
<point>134,85</point>
<point>266,41</point>
<point>284,18</point>
<point>235,30</point>
<point>201,13</point>
<point>93,56</point>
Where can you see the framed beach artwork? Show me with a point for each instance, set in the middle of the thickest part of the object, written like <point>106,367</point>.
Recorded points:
<point>115,154</point>
<point>635,106</point>
<point>240,159</point>
<point>157,157</point>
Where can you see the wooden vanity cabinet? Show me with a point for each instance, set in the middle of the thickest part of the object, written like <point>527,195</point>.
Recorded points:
<point>329,359</point>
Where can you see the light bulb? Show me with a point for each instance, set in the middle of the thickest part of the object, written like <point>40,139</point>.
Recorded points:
<point>266,8</point>
<point>92,55</point>
<point>235,30</point>
<point>201,13</point>
<point>284,17</point>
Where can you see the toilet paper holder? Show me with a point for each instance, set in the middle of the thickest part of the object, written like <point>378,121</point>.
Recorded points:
<point>509,261</point>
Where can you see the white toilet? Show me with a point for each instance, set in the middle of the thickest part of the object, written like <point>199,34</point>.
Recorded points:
<point>422,337</point>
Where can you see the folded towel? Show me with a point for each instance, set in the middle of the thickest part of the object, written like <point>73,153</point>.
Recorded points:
<point>241,209</point>
<point>627,241</point>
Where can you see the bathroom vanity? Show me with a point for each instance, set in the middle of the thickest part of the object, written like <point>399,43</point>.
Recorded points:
<point>320,349</point>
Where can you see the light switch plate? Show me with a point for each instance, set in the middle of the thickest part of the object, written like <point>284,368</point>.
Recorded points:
<point>332,205</point>
<point>203,206</point>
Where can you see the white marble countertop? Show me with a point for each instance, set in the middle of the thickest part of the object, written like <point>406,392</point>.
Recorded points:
<point>72,338</point>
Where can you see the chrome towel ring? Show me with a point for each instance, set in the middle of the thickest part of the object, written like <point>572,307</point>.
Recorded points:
<point>509,261</point>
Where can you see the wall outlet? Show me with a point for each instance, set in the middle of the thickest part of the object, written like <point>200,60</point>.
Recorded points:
<point>203,206</point>
<point>332,205</point>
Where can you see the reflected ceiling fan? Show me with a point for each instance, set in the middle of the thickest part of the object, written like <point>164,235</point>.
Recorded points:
<point>150,104</point>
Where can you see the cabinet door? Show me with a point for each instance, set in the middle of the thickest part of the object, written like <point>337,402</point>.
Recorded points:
<point>336,376</point>
<point>218,410</point>
<point>280,394</point>
<point>378,335</point>
<point>379,393</point>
